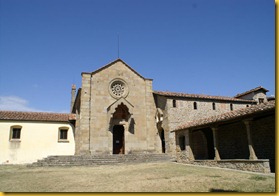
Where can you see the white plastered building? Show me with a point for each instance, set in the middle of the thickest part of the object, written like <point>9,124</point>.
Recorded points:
<point>29,136</point>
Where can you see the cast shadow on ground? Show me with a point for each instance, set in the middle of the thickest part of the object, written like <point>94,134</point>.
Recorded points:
<point>221,190</point>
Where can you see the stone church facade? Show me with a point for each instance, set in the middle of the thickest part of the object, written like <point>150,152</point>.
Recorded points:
<point>115,112</point>
<point>118,112</point>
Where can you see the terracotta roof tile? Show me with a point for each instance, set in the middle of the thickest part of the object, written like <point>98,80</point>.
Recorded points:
<point>240,113</point>
<point>36,116</point>
<point>200,96</point>
<point>250,91</point>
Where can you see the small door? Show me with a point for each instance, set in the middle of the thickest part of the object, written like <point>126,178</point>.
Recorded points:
<point>118,139</point>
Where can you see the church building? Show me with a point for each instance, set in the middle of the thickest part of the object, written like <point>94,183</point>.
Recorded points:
<point>116,111</point>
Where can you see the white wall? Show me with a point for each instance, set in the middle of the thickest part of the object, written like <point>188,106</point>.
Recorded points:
<point>38,140</point>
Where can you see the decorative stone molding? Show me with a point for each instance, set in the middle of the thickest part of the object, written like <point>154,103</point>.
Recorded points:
<point>114,105</point>
<point>118,88</point>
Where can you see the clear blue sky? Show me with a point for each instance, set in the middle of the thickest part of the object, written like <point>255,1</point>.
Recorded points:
<point>216,47</point>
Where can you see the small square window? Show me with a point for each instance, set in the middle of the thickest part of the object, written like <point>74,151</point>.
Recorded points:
<point>261,100</point>
<point>16,133</point>
<point>63,134</point>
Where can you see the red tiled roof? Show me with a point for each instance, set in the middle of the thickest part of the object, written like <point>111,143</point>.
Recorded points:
<point>200,96</point>
<point>240,113</point>
<point>36,116</point>
<point>250,91</point>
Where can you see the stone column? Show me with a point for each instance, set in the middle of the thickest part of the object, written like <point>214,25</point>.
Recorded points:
<point>250,143</point>
<point>215,141</point>
<point>188,147</point>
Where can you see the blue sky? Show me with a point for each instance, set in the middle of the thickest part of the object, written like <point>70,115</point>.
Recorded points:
<point>216,47</point>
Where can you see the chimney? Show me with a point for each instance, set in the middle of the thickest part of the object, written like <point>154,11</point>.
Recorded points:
<point>73,94</point>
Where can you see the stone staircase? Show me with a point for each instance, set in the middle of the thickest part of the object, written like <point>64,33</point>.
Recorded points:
<point>94,160</point>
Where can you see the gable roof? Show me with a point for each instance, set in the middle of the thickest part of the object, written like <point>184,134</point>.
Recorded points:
<point>111,63</point>
<point>36,116</point>
<point>252,90</point>
<point>200,96</point>
<point>233,115</point>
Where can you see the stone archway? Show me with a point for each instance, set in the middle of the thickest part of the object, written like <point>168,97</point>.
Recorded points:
<point>119,123</point>
<point>199,145</point>
<point>121,112</point>
<point>202,144</point>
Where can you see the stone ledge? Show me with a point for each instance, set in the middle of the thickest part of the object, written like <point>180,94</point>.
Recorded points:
<point>260,165</point>
<point>234,160</point>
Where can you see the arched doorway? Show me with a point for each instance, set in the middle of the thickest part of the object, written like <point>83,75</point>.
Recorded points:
<point>202,144</point>
<point>118,139</point>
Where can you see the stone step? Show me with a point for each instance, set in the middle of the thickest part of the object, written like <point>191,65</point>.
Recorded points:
<point>90,160</point>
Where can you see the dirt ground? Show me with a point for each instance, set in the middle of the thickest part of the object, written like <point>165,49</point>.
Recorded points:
<point>144,177</point>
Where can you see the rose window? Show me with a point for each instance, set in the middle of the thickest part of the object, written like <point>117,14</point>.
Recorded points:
<point>118,88</point>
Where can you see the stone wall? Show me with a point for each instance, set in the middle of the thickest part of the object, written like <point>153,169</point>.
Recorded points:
<point>263,137</point>
<point>162,103</point>
<point>232,141</point>
<point>261,166</point>
<point>83,118</point>
<point>255,96</point>
<point>260,95</point>
<point>184,112</point>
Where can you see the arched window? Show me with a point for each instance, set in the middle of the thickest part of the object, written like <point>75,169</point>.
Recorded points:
<point>195,106</point>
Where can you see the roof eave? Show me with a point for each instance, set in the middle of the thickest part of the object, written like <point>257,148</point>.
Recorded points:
<point>230,120</point>
<point>196,96</point>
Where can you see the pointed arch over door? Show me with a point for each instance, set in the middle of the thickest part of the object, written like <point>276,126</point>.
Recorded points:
<point>122,101</point>
<point>121,112</point>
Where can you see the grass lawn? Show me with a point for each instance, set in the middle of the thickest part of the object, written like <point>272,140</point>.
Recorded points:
<point>144,177</point>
